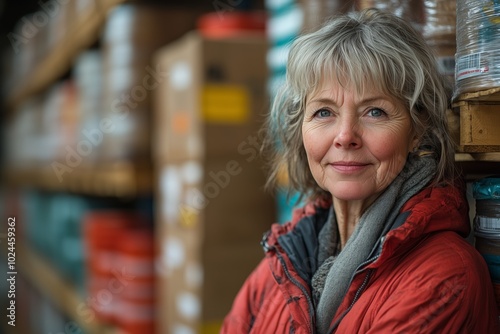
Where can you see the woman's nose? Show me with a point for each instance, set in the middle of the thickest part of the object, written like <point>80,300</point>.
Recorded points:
<point>347,135</point>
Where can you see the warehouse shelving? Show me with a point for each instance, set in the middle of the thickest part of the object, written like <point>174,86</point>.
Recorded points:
<point>479,139</point>
<point>114,180</point>
<point>478,117</point>
<point>117,179</point>
<point>128,178</point>
<point>62,294</point>
<point>478,165</point>
<point>83,33</point>
<point>478,157</point>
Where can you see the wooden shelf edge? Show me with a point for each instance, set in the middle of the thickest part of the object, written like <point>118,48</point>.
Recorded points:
<point>40,274</point>
<point>477,157</point>
<point>120,180</point>
<point>476,166</point>
<point>485,95</point>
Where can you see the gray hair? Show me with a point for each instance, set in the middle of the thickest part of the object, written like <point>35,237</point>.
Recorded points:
<point>360,49</point>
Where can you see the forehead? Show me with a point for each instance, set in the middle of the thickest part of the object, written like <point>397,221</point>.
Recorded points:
<point>331,93</point>
<point>331,87</point>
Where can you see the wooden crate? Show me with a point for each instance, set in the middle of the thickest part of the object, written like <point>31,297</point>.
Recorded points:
<point>479,114</point>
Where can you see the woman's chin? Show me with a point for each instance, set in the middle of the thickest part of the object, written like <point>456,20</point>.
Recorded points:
<point>351,191</point>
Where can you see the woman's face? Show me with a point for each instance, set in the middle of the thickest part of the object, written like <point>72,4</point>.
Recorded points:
<point>356,145</point>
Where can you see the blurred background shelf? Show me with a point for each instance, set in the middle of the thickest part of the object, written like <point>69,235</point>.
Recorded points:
<point>478,165</point>
<point>62,294</point>
<point>117,180</point>
<point>82,33</point>
<point>478,157</point>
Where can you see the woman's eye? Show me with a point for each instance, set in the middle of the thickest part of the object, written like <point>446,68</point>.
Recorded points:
<point>375,112</point>
<point>323,113</point>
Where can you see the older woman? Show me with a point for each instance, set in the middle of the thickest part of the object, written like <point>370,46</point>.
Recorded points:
<point>380,247</point>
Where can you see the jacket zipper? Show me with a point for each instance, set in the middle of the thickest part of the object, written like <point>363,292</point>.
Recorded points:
<point>296,283</point>
<point>358,292</point>
<point>359,270</point>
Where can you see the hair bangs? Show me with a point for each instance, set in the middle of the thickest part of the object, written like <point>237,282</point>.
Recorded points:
<point>353,62</point>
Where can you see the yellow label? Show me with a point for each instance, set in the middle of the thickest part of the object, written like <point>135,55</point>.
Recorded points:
<point>189,216</point>
<point>225,104</point>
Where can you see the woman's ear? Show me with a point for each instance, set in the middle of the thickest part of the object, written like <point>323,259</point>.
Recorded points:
<point>415,143</point>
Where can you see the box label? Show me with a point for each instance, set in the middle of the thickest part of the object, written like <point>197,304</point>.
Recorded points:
<point>225,104</point>
<point>471,65</point>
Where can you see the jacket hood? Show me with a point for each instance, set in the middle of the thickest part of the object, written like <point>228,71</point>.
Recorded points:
<point>434,209</point>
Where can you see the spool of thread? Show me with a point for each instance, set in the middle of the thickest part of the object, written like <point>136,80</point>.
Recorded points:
<point>478,41</point>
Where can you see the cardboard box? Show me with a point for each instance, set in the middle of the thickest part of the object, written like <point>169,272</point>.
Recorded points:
<point>131,35</point>
<point>479,126</point>
<point>212,89</point>
<point>479,114</point>
<point>212,208</point>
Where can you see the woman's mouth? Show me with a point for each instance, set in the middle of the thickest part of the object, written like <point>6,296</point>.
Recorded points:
<point>348,166</point>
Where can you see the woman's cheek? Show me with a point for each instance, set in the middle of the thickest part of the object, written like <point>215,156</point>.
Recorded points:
<point>315,147</point>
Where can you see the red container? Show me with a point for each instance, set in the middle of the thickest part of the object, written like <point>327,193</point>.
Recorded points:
<point>137,301</point>
<point>102,231</point>
<point>230,24</point>
<point>137,317</point>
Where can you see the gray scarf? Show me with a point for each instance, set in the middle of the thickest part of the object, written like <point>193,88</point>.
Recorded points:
<point>331,281</point>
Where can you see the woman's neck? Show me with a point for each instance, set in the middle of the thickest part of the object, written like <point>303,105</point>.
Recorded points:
<point>348,214</point>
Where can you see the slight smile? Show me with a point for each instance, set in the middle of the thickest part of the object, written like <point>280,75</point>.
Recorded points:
<point>348,166</point>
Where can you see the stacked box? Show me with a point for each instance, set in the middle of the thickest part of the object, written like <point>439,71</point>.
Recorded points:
<point>479,119</point>
<point>87,72</point>
<point>212,208</point>
<point>131,35</point>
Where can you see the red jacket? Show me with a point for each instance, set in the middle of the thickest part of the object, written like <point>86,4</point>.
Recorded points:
<point>424,278</point>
